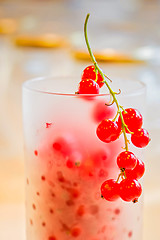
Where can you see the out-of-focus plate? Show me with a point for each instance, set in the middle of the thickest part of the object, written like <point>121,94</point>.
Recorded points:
<point>47,40</point>
<point>109,55</point>
<point>114,47</point>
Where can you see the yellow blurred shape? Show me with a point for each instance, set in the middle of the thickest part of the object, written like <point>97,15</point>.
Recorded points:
<point>107,55</point>
<point>8,26</point>
<point>42,40</point>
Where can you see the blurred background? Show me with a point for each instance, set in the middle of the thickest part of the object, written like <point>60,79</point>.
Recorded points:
<point>45,37</point>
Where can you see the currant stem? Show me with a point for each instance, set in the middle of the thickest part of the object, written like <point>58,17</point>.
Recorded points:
<point>87,42</point>
<point>115,117</point>
<point>122,174</point>
<point>119,177</point>
<point>107,77</point>
<point>97,68</point>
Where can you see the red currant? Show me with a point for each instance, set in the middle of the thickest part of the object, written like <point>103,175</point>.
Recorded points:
<point>64,145</point>
<point>36,153</point>
<point>74,159</point>
<point>102,111</point>
<point>89,72</point>
<point>88,86</point>
<point>75,231</point>
<point>140,138</point>
<point>110,190</point>
<point>137,172</point>
<point>81,210</point>
<point>129,189</point>
<point>69,164</point>
<point>101,158</point>
<point>132,118</point>
<point>107,131</point>
<point>126,160</point>
<point>51,238</point>
<point>75,193</point>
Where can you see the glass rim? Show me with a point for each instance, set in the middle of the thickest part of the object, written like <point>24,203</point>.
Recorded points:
<point>27,85</point>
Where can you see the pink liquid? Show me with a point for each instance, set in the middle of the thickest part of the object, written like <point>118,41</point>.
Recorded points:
<point>66,164</point>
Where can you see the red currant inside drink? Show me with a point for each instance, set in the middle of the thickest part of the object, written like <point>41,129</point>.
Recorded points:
<point>66,163</point>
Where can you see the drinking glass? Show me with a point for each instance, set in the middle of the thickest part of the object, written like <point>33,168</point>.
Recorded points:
<point>66,163</point>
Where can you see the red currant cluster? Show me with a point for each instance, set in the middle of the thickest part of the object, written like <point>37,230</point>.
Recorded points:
<point>132,169</point>
<point>129,189</point>
<point>129,122</point>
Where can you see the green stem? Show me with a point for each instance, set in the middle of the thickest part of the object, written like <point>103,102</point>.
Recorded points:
<point>104,80</point>
<point>114,119</point>
<point>119,177</point>
<point>86,39</point>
